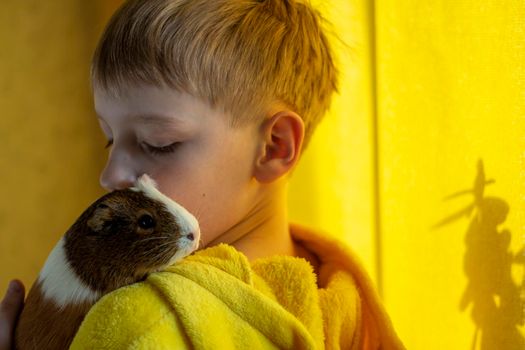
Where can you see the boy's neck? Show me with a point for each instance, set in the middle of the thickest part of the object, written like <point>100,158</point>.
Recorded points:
<point>264,231</point>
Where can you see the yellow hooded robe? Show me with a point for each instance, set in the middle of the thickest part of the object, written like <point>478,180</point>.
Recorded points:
<point>217,299</point>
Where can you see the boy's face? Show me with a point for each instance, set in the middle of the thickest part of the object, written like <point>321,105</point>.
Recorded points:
<point>186,147</point>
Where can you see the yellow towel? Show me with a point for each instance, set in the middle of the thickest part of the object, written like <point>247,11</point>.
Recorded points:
<point>353,314</point>
<point>216,299</point>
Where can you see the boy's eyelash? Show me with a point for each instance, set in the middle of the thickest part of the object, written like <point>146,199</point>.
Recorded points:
<point>155,150</point>
<point>162,150</point>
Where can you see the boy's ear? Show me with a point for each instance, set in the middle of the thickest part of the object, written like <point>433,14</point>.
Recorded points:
<point>282,139</point>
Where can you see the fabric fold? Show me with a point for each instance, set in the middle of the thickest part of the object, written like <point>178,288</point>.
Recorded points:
<point>216,299</point>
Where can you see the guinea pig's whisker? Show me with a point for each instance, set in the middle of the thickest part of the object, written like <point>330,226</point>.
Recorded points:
<point>171,243</point>
<point>158,255</point>
<point>139,243</point>
<point>153,238</point>
<point>152,249</point>
<point>156,247</point>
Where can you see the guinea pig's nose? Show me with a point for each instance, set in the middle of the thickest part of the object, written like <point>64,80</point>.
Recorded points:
<point>190,236</point>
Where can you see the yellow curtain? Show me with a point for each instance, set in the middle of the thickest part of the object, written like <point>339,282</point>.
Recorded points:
<point>420,165</point>
<point>331,187</point>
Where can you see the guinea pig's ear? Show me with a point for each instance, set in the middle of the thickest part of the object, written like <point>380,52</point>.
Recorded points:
<point>101,215</point>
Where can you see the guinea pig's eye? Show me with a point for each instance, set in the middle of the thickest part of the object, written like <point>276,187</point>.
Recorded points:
<point>146,222</point>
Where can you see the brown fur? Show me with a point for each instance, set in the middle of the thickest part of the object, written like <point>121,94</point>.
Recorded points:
<point>105,260</point>
<point>41,325</point>
<point>107,249</point>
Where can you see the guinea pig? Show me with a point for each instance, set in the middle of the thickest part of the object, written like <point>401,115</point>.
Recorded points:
<point>118,240</point>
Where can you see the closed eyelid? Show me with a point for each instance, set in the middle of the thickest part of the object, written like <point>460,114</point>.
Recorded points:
<point>103,124</point>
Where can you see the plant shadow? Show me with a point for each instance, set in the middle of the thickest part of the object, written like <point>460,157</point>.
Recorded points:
<point>495,300</point>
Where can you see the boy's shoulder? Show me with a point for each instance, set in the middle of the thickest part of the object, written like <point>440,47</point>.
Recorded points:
<point>217,298</point>
<point>211,298</point>
<point>128,318</point>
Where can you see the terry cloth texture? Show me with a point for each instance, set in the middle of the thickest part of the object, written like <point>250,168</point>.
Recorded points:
<point>216,299</point>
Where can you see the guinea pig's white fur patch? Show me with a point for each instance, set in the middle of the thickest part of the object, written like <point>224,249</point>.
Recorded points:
<point>57,273</point>
<point>186,221</point>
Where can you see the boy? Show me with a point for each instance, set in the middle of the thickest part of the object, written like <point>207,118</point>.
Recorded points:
<point>216,100</point>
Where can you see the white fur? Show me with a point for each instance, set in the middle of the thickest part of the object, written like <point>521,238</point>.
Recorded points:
<point>59,281</point>
<point>187,222</point>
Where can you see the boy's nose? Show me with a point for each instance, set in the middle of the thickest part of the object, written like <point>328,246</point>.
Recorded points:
<point>117,175</point>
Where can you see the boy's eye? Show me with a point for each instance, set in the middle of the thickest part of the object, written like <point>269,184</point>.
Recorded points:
<point>162,150</point>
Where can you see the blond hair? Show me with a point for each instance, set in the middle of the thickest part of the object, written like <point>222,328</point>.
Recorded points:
<point>239,55</point>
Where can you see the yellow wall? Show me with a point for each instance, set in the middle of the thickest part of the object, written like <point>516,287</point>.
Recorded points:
<point>50,156</point>
<point>446,98</point>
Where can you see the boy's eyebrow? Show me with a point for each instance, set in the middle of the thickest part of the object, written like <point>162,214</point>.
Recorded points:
<point>153,119</point>
<point>156,119</point>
